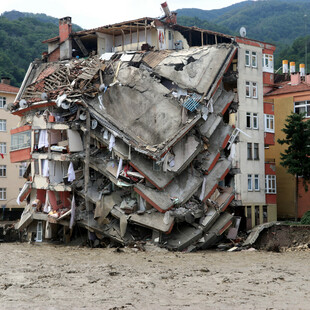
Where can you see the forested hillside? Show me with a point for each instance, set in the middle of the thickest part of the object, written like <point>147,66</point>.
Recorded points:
<point>21,35</point>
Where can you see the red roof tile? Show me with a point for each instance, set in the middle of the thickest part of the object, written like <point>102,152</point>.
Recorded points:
<point>286,88</point>
<point>8,88</point>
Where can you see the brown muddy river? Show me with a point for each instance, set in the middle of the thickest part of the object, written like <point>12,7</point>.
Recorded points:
<point>41,276</point>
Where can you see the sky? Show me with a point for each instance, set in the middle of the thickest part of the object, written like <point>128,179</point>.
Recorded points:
<point>97,13</point>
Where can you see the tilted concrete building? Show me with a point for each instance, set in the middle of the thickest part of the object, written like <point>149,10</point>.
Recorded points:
<point>134,134</point>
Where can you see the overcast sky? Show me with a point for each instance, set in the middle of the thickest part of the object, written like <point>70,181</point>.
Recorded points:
<point>95,13</point>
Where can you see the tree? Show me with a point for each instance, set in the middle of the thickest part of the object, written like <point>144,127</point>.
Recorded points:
<point>296,158</point>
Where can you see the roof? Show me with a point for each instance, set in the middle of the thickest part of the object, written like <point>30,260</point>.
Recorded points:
<point>51,40</point>
<point>8,88</point>
<point>287,88</point>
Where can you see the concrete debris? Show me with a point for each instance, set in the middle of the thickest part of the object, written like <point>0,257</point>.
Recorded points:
<point>130,146</point>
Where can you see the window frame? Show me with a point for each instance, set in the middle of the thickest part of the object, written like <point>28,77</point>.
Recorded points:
<point>248,120</point>
<point>255,120</point>
<point>303,104</point>
<point>250,182</point>
<point>21,170</point>
<point>17,137</point>
<point>3,124</point>
<point>254,57</point>
<point>269,118</point>
<point>3,171</point>
<point>247,58</point>
<point>247,89</point>
<point>256,151</point>
<point>3,148</point>
<point>270,179</point>
<point>256,182</point>
<point>249,151</point>
<point>254,89</point>
<point>3,193</point>
<point>2,102</point>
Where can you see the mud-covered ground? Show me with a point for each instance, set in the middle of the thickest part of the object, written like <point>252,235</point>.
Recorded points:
<point>41,276</point>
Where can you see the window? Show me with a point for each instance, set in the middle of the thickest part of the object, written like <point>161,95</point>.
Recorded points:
<point>270,184</point>
<point>256,215</point>
<point>254,90</point>
<point>250,185</point>
<point>302,107</point>
<point>249,148</point>
<point>247,89</point>
<point>256,151</point>
<point>256,182</point>
<point>2,193</point>
<point>252,120</point>
<point>20,140</point>
<point>248,120</point>
<point>250,59</point>
<point>2,125</point>
<point>251,90</point>
<point>269,123</point>
<point>255,121</point>
<point>247,58</point>
<point>2,148</point>
<point>2,102</point>
<point>265,214</point>
<point>2,171</point>
<point>254,60</point>
<point>22,169</point>
<point>268,63</point>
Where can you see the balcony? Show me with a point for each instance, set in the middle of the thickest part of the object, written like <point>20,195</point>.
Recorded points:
<point>20,144</point>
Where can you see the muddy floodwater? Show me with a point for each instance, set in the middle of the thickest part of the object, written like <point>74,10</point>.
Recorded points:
<point>40,276</point>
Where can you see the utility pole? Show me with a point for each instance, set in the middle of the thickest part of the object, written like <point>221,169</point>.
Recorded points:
<point>306,49</point>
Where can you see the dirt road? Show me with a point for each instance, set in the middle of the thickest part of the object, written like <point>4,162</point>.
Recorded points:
<point>56,277</point>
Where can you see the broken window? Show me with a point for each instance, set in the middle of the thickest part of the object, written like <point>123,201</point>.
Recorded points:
<point>256,151</point>
<point>270,184</point>
<point>256,182</point>
<point>249,149</point>
<point>250,183</point>
<point>254,60</point>
<point>247,58</point>
<point>22,169</point>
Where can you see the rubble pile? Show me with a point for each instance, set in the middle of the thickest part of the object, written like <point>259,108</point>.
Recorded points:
<point>132,146</point>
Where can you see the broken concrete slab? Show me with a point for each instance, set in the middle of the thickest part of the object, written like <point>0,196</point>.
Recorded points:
<point>198,68</point>
<point>154,220</point>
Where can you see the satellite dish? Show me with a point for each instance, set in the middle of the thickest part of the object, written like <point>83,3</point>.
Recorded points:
<point>83,116</point>
<point>23,104</point>
<point>44,96</point>
<point>65,105</point>
<point>242,32</point>
<point>94,124</point>
<point>60,99</point>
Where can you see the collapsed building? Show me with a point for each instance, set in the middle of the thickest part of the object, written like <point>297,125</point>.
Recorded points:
<point>129,132</point>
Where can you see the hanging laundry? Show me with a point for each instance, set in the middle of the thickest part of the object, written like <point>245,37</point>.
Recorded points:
<point>71,173</point>
<point>43,139</point>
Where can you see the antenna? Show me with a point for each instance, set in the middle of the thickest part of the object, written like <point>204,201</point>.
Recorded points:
<point>242,32</point>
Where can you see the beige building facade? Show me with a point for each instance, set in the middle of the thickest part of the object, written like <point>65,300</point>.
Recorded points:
<point>11,175</point>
